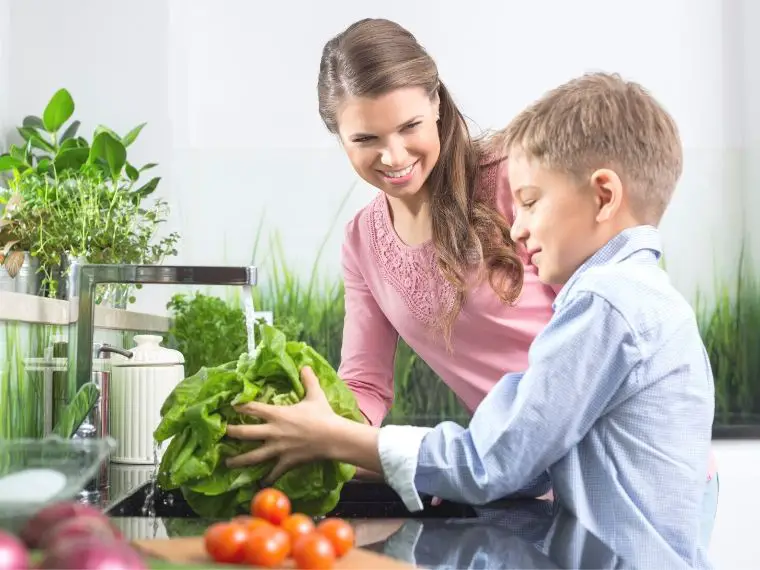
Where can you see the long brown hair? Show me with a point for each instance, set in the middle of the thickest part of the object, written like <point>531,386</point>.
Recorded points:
<point>373,57</point>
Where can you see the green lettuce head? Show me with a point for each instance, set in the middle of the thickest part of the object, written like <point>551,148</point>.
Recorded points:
<point>199,408</point>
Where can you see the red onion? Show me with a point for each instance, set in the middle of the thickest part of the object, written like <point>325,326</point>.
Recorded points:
<point>92,553</point>
<point>69,529</point>
<point>38,525</point>
<point>13,553</point>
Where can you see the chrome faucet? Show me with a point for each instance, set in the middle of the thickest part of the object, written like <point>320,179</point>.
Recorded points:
<point>81,283</point>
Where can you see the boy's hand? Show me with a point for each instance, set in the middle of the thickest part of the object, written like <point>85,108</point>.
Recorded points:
<point>367,475</point>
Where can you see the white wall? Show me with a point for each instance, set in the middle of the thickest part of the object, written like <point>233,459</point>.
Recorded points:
<point>748,16</point>
<point>5,58</point>
<point>229,91</point>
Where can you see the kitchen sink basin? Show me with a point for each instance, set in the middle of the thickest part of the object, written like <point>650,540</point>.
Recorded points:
<point>359,499</point>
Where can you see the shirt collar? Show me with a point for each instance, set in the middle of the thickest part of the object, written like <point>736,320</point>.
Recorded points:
<point>620,247</point>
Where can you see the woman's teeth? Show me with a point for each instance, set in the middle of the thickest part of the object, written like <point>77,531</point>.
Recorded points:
<point>399,173</point>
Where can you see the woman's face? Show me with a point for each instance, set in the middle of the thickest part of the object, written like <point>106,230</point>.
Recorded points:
<point>392,140</point>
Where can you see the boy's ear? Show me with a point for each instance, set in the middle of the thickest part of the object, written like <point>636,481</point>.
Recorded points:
<point>608,190</point>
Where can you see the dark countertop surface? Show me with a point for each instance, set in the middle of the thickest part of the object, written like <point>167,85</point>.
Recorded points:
<point>510,534</point>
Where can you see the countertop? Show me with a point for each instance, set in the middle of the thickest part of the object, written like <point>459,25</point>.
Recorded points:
<point>510,534</point>
<point>40,310</point>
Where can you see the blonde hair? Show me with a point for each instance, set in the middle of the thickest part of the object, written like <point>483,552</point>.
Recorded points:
<point>599,120</point>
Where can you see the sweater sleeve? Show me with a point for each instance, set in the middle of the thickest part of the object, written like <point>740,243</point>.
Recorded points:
<point>369,342</point>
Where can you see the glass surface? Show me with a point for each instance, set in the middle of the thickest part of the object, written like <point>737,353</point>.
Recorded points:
<point>37,472</point>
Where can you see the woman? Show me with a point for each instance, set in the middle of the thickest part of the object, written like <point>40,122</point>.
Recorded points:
<point>430,259</point>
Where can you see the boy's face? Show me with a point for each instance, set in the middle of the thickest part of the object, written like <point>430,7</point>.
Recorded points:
<point>556,220</point>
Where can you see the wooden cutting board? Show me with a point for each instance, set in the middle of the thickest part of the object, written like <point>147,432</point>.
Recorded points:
<point>190,550</point>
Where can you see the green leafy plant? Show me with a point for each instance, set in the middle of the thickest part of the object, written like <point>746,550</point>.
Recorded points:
<point>24,375</point>
<point>49,149</point>
<point>206,330</point>
<point>81,217</point>
<point>730,328</point>
<point>67,198</point>
<point>198,410</point>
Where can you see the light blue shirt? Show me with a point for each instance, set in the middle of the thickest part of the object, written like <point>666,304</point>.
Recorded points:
<point>617,404</point>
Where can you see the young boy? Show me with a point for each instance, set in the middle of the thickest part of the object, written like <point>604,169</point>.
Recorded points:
<point>617,402</point>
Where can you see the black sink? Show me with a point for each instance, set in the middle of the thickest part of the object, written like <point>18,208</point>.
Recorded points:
<point>359,500</point>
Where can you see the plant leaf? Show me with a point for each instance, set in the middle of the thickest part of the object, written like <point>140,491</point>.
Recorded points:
<point>105,146</point>
<point>132,172</point>
<point>103,129</point>
<point>18,153</point>
<point>58,110</point>
<point>43,165</point>
<point>70,131</point>
<point>130,137</point>
<point>72,158</point>
<point>8,162</point>
<point>26,132</point>
<point>148,188</point>
<point>13,263</point>
<point>148,166</point>
<point>73,143</point>
<point>34,122</point>
<point>33,139</point>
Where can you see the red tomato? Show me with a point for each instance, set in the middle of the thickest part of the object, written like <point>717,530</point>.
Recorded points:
<point>267,547</point>
<point>255,522</point>
<point>297,525</point>
<point>314,551</point>
<point>340,534</point>
<point>225,542</point>
<point>270,504</point>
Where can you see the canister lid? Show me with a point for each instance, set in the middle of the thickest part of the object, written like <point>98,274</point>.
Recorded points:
<point>149,352</point>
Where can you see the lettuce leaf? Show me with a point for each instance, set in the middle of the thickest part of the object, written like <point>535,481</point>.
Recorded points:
<point>195,415</point>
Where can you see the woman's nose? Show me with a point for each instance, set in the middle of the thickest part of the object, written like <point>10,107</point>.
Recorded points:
<point>394,155</point>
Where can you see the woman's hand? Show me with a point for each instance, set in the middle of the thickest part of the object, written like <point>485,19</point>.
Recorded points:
<point>296,434</point>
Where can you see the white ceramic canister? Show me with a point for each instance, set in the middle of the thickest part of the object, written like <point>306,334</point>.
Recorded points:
<point>139,387</point>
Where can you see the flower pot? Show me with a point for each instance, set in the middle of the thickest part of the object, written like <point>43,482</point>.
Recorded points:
<point>28,280</point>
<point>114,295</point>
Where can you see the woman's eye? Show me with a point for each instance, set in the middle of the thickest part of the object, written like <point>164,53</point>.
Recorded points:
<point>412,125</point>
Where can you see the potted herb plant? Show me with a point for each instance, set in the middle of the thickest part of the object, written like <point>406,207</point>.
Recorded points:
<point>68,198</point>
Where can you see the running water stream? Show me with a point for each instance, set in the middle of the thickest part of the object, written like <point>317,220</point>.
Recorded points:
<point>250,318</point>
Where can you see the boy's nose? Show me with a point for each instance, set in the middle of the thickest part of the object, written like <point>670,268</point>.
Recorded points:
<point>518,232</point>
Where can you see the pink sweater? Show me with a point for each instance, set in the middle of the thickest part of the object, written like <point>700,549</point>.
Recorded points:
<point>391,290</point>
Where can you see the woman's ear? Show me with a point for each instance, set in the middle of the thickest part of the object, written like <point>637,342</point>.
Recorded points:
<point>436,102</point>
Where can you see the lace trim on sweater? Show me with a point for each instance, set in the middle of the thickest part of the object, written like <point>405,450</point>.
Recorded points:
<point>411,270</point>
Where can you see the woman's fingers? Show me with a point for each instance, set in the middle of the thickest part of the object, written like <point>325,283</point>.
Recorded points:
<point>258,455</point>
<point>257,410</point>
<point>245,432</point>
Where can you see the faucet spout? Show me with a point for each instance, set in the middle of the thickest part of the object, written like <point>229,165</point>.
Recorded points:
<point>83,278</point>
